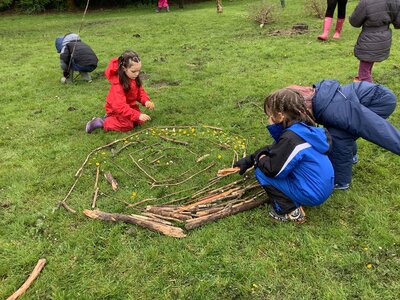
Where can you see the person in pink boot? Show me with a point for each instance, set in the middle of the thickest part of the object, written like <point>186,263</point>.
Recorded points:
<point>375,39</point>
<point>161,4</point>
<point>331,5</point>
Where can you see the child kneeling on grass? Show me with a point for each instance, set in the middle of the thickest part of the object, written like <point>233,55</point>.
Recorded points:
<point>295,170</point>
<point>122,111</point>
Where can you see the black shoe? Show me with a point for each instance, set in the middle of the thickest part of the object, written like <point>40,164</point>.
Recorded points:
<point>298,215</point>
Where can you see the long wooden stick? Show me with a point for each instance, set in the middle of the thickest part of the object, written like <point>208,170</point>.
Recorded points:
<point>96,187</point>
<point>35,273</point>
<point>137,220</point>
<point>143,170</point>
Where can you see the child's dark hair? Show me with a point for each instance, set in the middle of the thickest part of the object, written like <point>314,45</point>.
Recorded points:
<point>124,61</point>
<point>290,103</point>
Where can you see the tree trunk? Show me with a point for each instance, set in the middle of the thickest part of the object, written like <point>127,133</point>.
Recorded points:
<point>219,7</point>
<point>70,5</point>
<point>137,220</point>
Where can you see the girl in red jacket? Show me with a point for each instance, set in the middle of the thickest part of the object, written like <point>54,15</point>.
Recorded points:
<point>122,111</point>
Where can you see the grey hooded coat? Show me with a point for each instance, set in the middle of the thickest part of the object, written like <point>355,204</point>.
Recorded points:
<point>375,39</point>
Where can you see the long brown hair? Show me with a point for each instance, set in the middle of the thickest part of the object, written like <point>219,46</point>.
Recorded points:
<point>290,103</point>
<point>124,61</point>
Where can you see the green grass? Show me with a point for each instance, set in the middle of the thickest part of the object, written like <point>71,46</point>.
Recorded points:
<point>210,63</point>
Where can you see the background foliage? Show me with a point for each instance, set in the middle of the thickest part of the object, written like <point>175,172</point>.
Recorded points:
<point>201,68</point>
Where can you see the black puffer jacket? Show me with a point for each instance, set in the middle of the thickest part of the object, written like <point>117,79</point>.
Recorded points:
<point>375,39</point>
<point>83,55</point>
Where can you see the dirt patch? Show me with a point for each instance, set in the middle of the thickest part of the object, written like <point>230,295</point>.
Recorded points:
<point>164,83</point>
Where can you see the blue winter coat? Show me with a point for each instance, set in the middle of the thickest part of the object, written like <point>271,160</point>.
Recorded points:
<point>352,111</point>
<point>297,164</point>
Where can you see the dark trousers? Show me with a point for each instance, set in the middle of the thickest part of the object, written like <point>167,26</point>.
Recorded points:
<point>281,203</point>
<point>331,8</point>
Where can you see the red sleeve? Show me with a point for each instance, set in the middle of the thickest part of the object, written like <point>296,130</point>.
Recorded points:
<point>116,99</point>
<point>143,97</point>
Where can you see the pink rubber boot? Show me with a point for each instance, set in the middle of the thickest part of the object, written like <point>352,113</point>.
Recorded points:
<point>338,30</point>
<point>327,26</point>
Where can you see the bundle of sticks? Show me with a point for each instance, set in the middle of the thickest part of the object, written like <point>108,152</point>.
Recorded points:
<point>203,207</point>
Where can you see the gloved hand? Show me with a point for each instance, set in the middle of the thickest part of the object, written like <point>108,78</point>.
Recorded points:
<point>244,164</point>
<point>263,151</point>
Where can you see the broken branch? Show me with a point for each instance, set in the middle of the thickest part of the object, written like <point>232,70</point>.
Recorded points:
<point>137,220</point>
<point>35,273</point>
<point>112,181</point>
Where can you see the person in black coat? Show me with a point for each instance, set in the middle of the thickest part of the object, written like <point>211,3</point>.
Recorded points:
<point>75,55</point>
<point>375,40</point>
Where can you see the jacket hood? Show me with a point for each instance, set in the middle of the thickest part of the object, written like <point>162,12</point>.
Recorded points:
<point>111,71</point>
<point>324,92</point>
<point>62,41</point>
<point>315,136</point>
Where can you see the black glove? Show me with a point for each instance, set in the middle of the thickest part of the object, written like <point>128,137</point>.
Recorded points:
<point>263,151</point>
<point>244,164</point>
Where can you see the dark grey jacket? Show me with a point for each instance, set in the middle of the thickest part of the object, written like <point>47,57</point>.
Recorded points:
<point>375,39</point>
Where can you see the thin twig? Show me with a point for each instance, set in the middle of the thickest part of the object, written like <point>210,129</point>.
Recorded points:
<point>144,171</point>
<point>158,158</point>
<point>125,146</point>
<point>123,170</point>
<point>105,146</point>
<point>173,140</point>
<point>190,177</point>
<point>96,187</point>
<point>212,127</point>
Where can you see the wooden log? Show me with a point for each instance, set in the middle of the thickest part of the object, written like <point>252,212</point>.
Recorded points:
<point>228,211</point>
<point>112,181</point>
<point>172,214</point>
<point>35,273</point>
<point>134,219</point>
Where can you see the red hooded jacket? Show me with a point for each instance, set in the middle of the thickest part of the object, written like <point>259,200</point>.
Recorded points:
<point>119,103</point>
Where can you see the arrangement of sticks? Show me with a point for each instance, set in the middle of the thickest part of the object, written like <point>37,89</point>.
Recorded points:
<point>230,199</point>
<point>205,205</point>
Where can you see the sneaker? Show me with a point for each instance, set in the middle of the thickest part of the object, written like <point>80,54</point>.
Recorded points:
<point>86,76</point>
<point>94,124</point>
<point>355,159</point>
<point>298,215</point>
<point>343,187</point>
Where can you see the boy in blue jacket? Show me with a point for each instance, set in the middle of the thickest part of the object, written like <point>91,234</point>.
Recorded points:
<point>295,170</point>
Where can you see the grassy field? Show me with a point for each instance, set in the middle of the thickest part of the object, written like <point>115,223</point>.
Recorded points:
<point>200,68</point>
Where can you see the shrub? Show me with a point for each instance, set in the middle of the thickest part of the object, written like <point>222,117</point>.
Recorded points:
<point>5,4</point>
<point>315,8</point>
<point>263,13</point>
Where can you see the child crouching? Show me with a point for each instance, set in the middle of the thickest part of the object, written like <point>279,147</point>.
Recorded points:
<point>122,111</point>
<point>295,170</point>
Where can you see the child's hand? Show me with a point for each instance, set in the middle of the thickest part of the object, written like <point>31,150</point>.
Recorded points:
<point>149,105</point>
<point>144,118</point>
